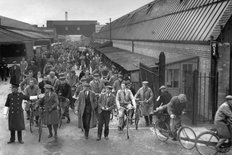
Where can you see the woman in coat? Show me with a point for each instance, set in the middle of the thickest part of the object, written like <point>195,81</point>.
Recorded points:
<point>51,115</point>
<point>145,94</point>
<point>86,105</point>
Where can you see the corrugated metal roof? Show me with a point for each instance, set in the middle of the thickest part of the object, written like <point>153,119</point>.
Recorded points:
<point>7,36</point>
<point>170,20</point>
<point>128,60</point>
<point>30,34</point>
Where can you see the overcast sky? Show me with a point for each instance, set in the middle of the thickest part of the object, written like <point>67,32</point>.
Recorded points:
<point>39,11</point>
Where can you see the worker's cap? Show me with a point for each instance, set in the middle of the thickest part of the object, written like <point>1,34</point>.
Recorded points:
<point>145,82</point>
<point>83,79</point>
<point>86,85</point>
<point>51,72</point>
<point>229,97</point>
<point>120,76</point>
<point>15,85</point>
<point>96,75</point>
<point>109,87</point>
<point>162,87</point>
<point>48,86</point>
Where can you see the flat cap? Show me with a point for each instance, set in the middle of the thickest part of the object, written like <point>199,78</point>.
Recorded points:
<point>109,87</point>
<point>15,85</point>
<point>162,87</point>
<point>229,97</point>
<point>86,85</point>
<point>145,82</point>
<point>96,75</point>
<point>48,86</point>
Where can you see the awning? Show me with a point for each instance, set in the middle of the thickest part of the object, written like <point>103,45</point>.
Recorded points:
<point>31,34</point>
<point>180,58</point>
<point>9,37</point>
<point>128,60</point>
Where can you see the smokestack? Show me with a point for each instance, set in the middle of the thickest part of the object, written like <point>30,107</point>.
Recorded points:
<point>66,15</point>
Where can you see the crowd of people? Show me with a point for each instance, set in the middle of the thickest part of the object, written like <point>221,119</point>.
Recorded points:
<point>79,80</point>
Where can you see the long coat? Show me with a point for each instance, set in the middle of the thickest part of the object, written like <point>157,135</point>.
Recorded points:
<point>15,116</point>
<point>81,107</point>
<point>50,102</point>
<point>97,86</point>
<point>15,74</point>
<point>145,94</point>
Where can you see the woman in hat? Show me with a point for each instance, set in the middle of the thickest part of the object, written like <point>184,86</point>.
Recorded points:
<point>51,116</point>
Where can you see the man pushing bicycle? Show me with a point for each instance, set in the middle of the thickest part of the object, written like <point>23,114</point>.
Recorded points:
<point>175,108</point>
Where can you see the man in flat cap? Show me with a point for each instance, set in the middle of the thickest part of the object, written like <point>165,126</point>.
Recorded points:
<point>222,120</point>
<point>52,77</point>
<point>145,94</point>
<point>15,73</point>
<point>27,80</point>
<point>65,95</point>
<point>86,105</point>
<point>164,97</point>
<point>106,104</point>
<point>175,108</point>
<point>51,116</point>
<point>14,111</point>
<point>117,83</point>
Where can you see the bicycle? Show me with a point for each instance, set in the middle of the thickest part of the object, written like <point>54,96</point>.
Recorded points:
<point>63,103</point>
<point>138,112</point>
<point>33,115</point>
<point>40,121</point>
<point>185,135</point>
<point>207,141</point>
<point>114,113</point>
<point>126,123</point>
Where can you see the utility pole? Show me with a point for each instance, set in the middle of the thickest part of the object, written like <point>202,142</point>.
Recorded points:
<point>110,29</point>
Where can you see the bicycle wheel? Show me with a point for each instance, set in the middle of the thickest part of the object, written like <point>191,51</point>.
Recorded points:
<point>136,120</point>
<point>60,118</point>
<point>206,143</point>
<point>31,120</point>
<point>111,115</point>
<point>186,137</point>
<point>161,130</point>
<point>127,127</point>
<point>40,128</point>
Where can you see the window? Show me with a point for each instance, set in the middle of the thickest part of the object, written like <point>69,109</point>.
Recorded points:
<point>173,78</point>
<point>66,28</point>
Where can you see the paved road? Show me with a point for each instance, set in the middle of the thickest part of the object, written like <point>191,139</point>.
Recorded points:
<point>71,140</point>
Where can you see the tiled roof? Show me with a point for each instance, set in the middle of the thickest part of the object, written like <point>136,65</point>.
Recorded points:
<point>128,60</point>
<point>12,23</point>
<point>7,36</point>
<point>172,20</point>
<point>32,35</point>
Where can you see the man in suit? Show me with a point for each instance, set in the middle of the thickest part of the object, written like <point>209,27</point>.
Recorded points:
<point>15,73</point>
<point>124,99</point>
<point>51,117</point>
<point>106,104</point>
<point>86,105</point>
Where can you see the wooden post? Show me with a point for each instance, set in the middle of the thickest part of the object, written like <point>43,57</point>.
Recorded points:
<point>161,69</point>
<point>195,97</point>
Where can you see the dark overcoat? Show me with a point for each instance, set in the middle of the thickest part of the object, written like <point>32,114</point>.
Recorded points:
<point>50,102</point>
<point>15,117</point>
<point>15,74</point>
<point>81,107</point>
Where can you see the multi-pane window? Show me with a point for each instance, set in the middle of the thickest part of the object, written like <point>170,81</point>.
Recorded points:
<point>173,78</point>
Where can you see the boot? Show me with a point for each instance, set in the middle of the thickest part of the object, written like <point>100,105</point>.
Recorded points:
<point>146,120</point>
<point>68,121</point>
<point>28,115</point>
<point>50,131</point>
<point>150,119</point>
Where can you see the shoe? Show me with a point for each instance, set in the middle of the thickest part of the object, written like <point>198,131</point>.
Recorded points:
<point>86,137</point>
<point>10,142</point>
<point>98,139</point>
<point>106,138</point>
<point>68,121</point>
<point>28,118</point>
<point>55,137</point>
<point>50,136</point>
<point>21,142</point>
<point>119,128</point>
<point>174,139</point>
